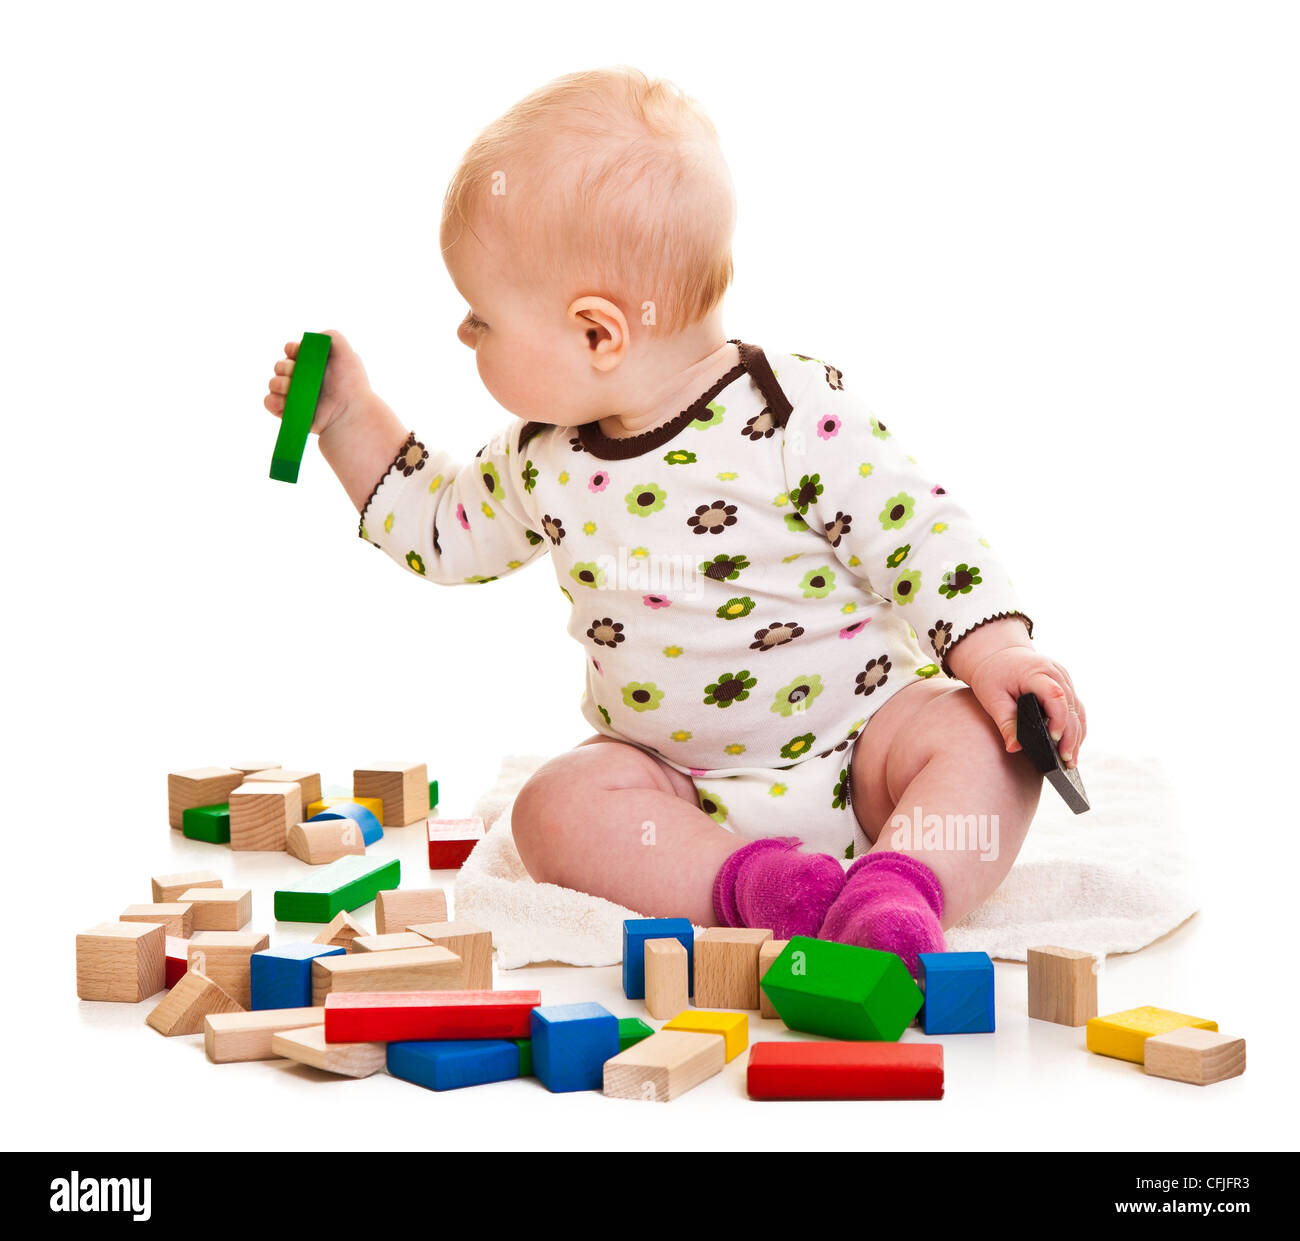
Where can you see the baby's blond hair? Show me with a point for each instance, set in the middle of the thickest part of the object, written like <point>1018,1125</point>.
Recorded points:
<point>612,183</point>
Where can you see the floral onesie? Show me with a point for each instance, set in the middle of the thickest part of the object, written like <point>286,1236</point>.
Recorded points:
<point>750,581</point>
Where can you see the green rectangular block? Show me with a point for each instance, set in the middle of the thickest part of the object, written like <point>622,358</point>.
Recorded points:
<point>210,823</point>
<point>343,885</point>
<point>525,1046</point>
<point>632,1030</point>
<point>842,991</point>
<point>433,795</point>
<point>300,406</point>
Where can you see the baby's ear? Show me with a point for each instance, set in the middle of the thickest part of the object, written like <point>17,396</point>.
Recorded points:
<point>603,328</point>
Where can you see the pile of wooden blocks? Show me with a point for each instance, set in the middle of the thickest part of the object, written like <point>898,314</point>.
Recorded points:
<point>414,996</point>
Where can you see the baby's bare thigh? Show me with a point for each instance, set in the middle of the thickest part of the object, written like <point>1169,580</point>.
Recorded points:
<point>567,787</point>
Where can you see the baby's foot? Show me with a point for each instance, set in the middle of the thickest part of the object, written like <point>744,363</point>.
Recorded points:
<point>769,884</point>
<point>891,902</point>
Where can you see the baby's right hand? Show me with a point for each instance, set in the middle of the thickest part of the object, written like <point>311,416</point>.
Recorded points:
<point>343,390</point>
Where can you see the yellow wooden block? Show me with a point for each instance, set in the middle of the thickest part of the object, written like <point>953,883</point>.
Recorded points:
<point>1124,1035</point>
<point>373,804</point>
<point>734,1027</point>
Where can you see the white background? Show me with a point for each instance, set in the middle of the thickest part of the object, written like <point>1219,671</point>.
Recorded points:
<point>1054,244</point>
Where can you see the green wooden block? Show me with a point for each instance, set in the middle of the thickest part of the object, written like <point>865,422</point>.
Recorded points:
<point>210,823</point>
<point>525,1046</point>
<point>433,795</point>
<point>632,1030</point>
<point>842,991</point>
<point>300,406</point>
<point>346,884</point>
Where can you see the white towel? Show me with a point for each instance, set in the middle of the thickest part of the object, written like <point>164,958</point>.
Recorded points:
<point>1112,880</point>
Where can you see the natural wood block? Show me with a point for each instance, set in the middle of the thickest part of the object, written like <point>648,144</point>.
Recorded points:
<point>261,814</point>
<point>219,909</point>
<point>470,942</point>
<point>176,916</point>
<point>403,789</point>
<point>201,786</point>
<point>232,1037</point>
<point>402,969</point>
<point>223,957</point>
<point>397,909</point>
<point>307,1045</point>
<point>386,943</point>
<point>665,1065</point>
<point>1199,1057</point>
<point>341,932</point>
<point>1125,1035</point>
<point>249,769</point>
<point>768,952</point>
<point>324,841</point>
<point>308,783</point>
<point>1062,985</point>
<point>726,967</point>
<point>166,888</point>
<point>121,961</point>
<point>667,978</point>
<point>187,1003</point>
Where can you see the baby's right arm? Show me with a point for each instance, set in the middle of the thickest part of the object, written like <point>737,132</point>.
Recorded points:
<point>442,522</point>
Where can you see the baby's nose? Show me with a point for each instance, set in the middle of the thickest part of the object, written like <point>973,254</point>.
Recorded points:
<point>465,334</point>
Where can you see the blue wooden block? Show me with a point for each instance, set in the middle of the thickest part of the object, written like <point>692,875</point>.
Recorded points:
<point>369,825</point>
<point>449,1064</point>
<point>635,932</point>
<point>571,1043</point>
<point>958,990</point>
<point>281,977</point>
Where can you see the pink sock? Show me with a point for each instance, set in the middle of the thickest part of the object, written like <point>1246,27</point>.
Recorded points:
<point>770,885</point>
<point>891,902</point>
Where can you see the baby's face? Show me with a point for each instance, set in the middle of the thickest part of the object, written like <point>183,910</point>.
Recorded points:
<point>523,340</point>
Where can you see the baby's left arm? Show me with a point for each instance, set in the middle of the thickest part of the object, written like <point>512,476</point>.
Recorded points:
<point>909,542</point>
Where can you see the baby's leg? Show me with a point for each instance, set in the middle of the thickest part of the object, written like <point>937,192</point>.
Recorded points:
<point>933,749</point>
<point>610,819</point>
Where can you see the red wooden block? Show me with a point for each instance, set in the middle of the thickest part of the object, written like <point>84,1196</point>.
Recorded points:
<point>450,841</point>
<point>846,1071</point>
<point>177,959</point>
<point>408,1016</point>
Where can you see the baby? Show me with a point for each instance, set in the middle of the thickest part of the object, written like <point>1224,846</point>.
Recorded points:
<point>798,647</point>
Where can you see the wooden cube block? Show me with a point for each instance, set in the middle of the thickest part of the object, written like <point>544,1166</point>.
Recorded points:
<point>1062,985</point>
<point>233,1037</point>
<point>469,941</point>
<point>342,932</point>
<point>187,1003</point>
<point>308,783</point>
<point>201,786</point>
<point>768,952</point>
<point>726,967</point>
<point>176,916</point>
<point>1199,1057</point>
<point>167,888</point>
<point>325,840</point>
<point>733,1028</point>
<point>261,814</point>
<point>403,788</point>
<point>402,969</point>
<point>1124,1035</point>
<point>398,908</point>
<point>386,943</point>
<point>219,909</point>
<point>667,978</point>
<point>307,1045</point>
<point>451,841</point>
<point>121,961</point>
<point>223,956</point>
<point>665,1065</point>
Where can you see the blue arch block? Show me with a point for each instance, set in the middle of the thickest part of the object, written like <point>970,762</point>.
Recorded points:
<point>369,825</point>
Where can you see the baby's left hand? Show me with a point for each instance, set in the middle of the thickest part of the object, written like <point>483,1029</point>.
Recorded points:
<point>999,679</point>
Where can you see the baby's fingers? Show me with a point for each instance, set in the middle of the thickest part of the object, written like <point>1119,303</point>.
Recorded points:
<point>1055,702</point>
